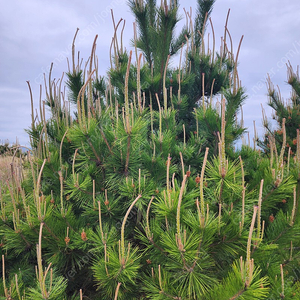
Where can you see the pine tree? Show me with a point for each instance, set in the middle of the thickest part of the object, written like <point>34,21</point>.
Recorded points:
<point>120,201</point>
<point>202,74</point>
<point>285,112</point>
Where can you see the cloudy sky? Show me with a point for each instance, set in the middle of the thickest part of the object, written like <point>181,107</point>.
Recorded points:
<point>34,33</point>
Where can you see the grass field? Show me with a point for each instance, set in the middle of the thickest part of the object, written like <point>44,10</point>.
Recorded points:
<point>5,168</point>
<point>6,162</point>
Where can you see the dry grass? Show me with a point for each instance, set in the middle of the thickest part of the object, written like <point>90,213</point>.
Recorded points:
<point>6,163</point>
<point>5,169</point>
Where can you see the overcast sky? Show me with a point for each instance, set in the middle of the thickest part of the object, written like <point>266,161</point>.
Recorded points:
<point>34,33</point>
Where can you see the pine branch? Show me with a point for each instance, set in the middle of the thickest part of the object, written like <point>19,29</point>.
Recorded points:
<point>204,9</point>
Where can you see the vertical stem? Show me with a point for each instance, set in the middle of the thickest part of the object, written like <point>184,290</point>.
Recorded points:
<point>182,164</point>
<point>17,286</point>
<point>81,106</point>
<point>255,136</point>
<point>259,209</point>
<point>179,205</point>
<point>249,267</point>
<point>288,160</point>
<point>73,166</point>
<point>294,207</point>
<point>251,232</point>
<point>60,149</point>
<point>199,212</point>
<point>159,278</point>
<point>45,127</point>
<point>235,74</point>
<point>262,230</point>
<point>79,114</point>
<point>243,173</point>
<point>243,208</point>
<point>39,260</point>
<point>168,174</point>
<point>132,113</point>
<point>100,221</point>
<point>126,94</point>
<point>147,218</point>
<point>139,181</point>
<point>94,193</point>
<point>90,91</point>
<point>3,274</point>
<point>214,40</point>
<point>298,149</point>
<point>160,118</point>
<point>242,268</point>
<point>201,185</point>
<point>32,108</point>
<point>117,290</point>
<point>211,92</point>
<point>37,192</point>
<point>73,52</point>
<point>105,259</point>
<point>283,144</point>
<point>184,138</point>
<point>123,226</point>
<point>282,281</point>
<point>61,179</point>
<point>179,87</point>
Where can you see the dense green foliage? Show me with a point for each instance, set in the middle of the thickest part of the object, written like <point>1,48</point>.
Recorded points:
<point>127,199</point>
<point>287,111</point>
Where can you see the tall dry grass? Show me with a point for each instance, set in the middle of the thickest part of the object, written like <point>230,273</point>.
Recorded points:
<point>5,168</point>
<point>10,166</point>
